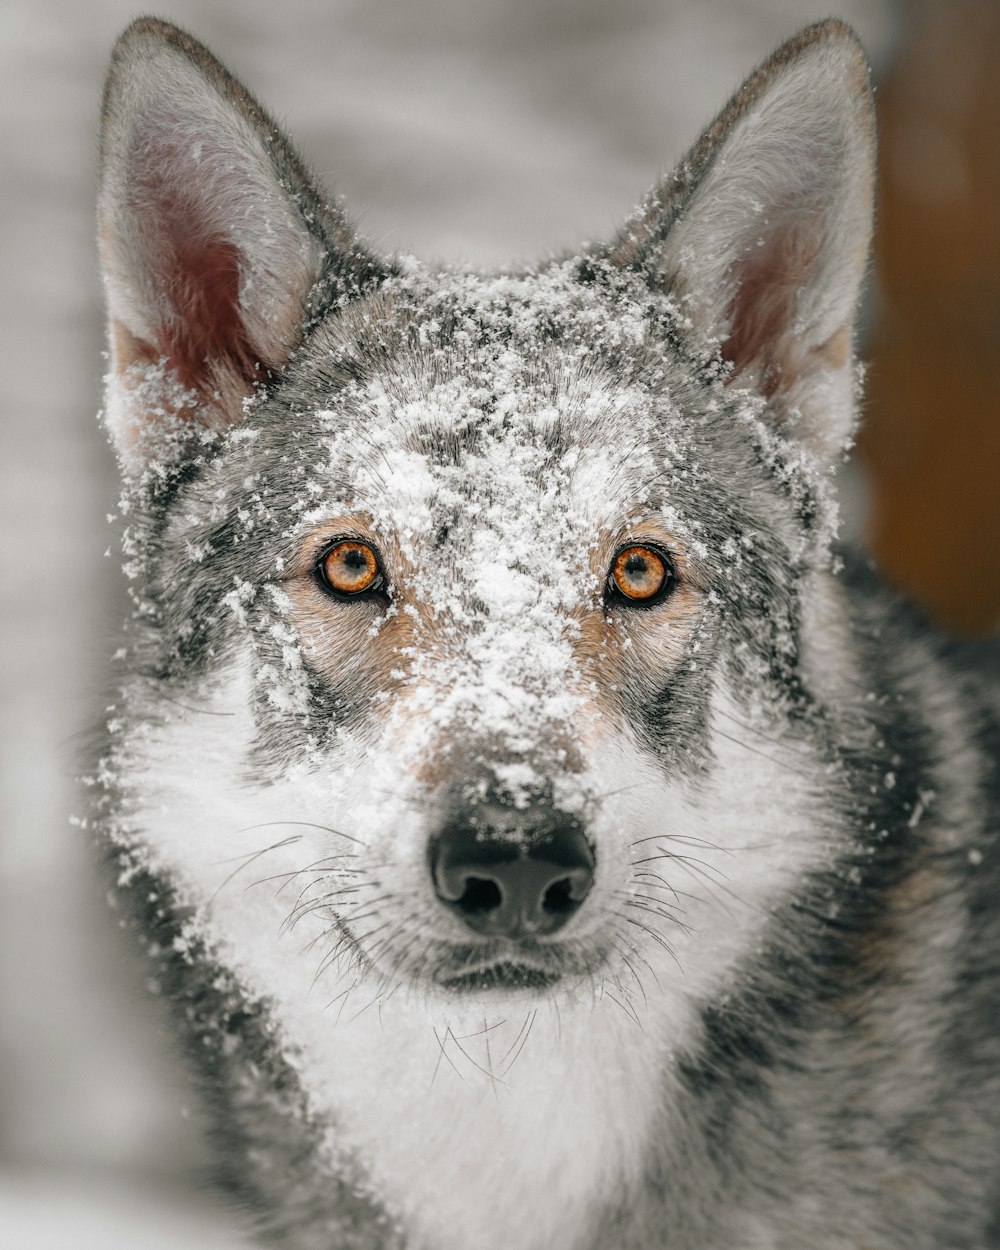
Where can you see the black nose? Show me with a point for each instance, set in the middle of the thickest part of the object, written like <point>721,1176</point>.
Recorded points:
<point>512,873</point>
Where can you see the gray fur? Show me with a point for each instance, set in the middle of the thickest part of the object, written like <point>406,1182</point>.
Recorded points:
<point>832,1082</point>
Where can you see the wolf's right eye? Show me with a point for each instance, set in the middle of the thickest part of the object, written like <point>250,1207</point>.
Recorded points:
<point>641,575</point>
<point>350,568</point>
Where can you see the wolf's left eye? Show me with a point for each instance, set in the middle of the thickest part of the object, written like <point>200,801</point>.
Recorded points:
<point>641,575</point>
<point>350,568</point>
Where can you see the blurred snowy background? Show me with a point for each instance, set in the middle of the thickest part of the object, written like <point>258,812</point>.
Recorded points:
<point>486,130</point>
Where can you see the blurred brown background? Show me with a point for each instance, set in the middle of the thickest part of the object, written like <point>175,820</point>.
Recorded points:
<point>485,130</point>
<point>931,440</point>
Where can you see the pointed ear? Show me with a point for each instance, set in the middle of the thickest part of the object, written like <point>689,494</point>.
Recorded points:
<point>763,232</point>
<point>216,249</point>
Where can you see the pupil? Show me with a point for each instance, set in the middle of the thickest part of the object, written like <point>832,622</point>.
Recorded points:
<point>355,561</point>
<point>636,566</point>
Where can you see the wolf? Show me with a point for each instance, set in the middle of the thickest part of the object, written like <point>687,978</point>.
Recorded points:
<point>545,832</point>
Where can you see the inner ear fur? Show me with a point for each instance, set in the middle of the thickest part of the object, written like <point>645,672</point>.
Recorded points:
<point>763,231</point>
<point>216,248</point>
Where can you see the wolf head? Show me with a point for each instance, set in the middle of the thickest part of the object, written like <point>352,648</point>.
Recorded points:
<point>485,636</point>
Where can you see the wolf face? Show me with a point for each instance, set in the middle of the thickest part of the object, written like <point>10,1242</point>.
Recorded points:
<point>494,761</point>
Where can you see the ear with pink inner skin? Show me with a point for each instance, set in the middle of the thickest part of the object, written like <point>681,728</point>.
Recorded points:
<point>763,231</point>
<point>216,248</point>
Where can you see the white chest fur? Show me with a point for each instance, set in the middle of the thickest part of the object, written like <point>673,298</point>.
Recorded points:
<point>509,1130</point>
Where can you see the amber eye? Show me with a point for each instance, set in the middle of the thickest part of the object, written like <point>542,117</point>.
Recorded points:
<point>350,568</point>
<point>641,575</point>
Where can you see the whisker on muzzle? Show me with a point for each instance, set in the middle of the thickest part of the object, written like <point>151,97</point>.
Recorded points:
<point>247,860</point>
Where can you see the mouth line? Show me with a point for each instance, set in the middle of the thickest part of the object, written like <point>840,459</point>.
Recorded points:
<point>493,966</point>
<point>500,974</point>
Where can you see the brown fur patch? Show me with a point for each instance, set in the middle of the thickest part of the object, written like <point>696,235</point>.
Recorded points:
<point>615,647</point>
<point>880,955</point>
<point>129,350</point>
<point>836,351</point>
<point>339,639</point>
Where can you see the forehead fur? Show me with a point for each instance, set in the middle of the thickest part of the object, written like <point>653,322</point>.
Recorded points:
<point>447,385</point>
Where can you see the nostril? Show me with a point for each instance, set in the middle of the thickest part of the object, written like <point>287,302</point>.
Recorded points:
<point>480,896</point>
<point>558,899</point>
